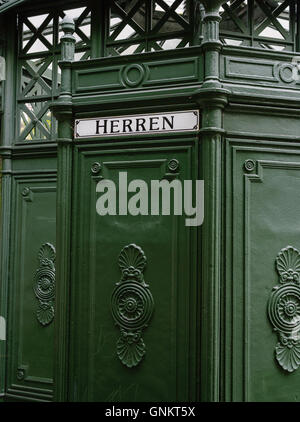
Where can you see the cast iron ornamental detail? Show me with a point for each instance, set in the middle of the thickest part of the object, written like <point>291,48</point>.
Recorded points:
<point>140,26</point>
<point>212,98</point>
<point>132,305</point>
<point>40,41</point>
<point>284,309</point>
<point>44,288</point>
<point>267,24</point>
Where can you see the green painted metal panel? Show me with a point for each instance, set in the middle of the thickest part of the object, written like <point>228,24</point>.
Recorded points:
<point>215,282</point>
<point>262,219</point>
<point>168,371</point>
<point>31,348</point>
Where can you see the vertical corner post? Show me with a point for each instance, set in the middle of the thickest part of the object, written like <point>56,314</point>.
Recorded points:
<point>67,57</point>
<point>63,111</point>
<point>8,45</point>
<point>212,98</point>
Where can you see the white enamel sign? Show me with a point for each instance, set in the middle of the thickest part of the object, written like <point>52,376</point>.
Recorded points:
<point>178,121</point>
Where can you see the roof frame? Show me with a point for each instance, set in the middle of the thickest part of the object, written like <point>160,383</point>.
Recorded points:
<point>8,4</point>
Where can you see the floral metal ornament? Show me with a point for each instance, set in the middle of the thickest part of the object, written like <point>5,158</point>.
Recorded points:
<point>132,305</point>
<point>44,288</point>
<point>284,309</point>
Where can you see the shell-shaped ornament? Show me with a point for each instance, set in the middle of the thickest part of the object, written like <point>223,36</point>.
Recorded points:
<point>288,355</point>
<point>288,265</point>
<point>131,348</point>
<point>45,313</point>
<point>132,256</point>
<point>47,251</point>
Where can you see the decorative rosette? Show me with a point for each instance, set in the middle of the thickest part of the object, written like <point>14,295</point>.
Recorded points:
<point>44,288</point>
<point>132,305</point>
<point>284,309</point>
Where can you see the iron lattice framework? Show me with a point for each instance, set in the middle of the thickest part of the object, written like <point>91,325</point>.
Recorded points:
<point>270,24</point>
<point>129,27</point>
<point>39,75</point>
<point>138,26</point>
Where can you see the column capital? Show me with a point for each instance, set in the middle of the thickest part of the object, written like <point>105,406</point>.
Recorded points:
<point>212,97</point>
<point>212,6</point>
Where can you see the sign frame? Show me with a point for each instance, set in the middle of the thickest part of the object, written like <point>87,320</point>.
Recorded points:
<point>195,128</point>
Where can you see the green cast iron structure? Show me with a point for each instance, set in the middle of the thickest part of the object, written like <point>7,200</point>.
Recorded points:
<point>206,294</point>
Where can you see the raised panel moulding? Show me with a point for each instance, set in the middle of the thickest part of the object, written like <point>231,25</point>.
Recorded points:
<point>137,75</point>
<point>264,71</point>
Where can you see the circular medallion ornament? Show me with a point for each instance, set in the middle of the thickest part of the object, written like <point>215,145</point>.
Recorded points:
<point>45,284</point>
<point>173,165</point>
<point>284,308</point>
<point>96,168</point>
<point>249,165</point>
<point>25,191</point>
<point>286,72</point>
<point>132,305</point>
<point>133,75</point>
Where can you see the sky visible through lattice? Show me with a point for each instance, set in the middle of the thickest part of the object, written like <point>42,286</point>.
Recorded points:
<point>269,26</point>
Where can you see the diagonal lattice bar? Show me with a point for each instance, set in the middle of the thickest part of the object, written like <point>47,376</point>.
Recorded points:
<point>271,18</point>
<point>127,19</point>
<point>230,12</point>
<point>37,33</point>
<point>35,120</point>
<point>36,76</point>
<point>170,12</point>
